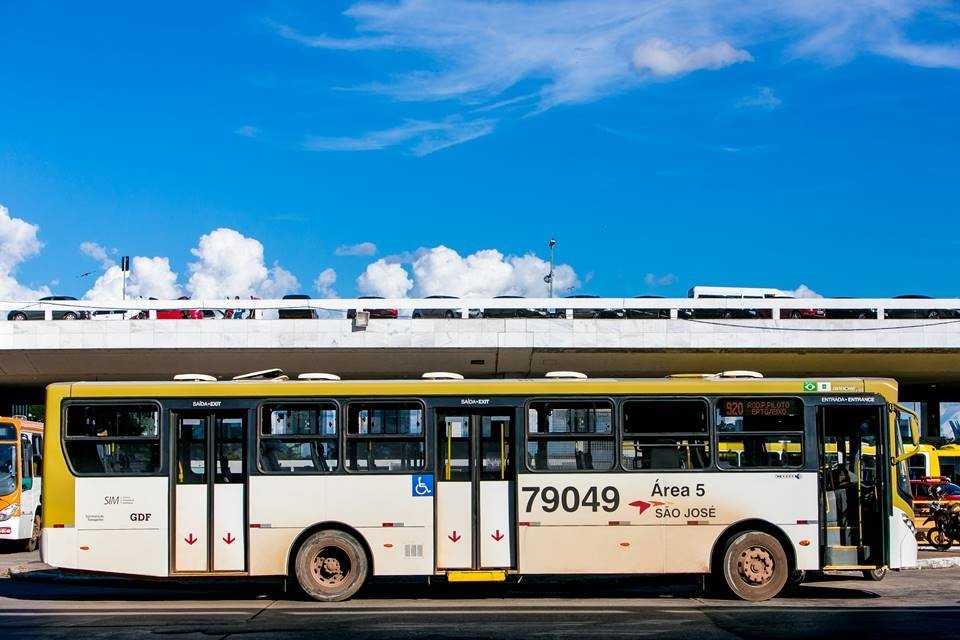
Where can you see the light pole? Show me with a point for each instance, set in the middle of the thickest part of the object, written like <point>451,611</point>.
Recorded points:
<point>549,277</point>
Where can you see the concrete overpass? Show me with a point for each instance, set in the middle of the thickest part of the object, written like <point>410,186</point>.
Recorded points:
<point>681,335</point>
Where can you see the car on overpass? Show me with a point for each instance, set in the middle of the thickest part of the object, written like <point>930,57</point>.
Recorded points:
<point>61,312</point>
<point>381,313</point>
<point>515,313</point>
<point>442,313</point>
<point>910,314</point>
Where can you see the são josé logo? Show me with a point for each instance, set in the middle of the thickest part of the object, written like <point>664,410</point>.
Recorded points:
<point>666,510</point>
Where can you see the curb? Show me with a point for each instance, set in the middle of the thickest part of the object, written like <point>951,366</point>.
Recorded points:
<point>948,562</point>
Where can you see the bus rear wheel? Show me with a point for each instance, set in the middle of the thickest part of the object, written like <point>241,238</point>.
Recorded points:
<point>331,566</point>
<point>755,566</point>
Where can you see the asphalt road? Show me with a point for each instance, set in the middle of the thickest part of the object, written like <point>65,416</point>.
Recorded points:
<point>905,605</point>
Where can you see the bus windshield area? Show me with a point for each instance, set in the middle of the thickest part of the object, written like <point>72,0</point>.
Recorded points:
<point>8,468</point>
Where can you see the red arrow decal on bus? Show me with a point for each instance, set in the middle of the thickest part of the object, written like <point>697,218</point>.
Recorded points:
<point>455,537</point>
<point>497,536</point>
<point>190,539</point>
<point>643,505</point>
<point>229,539</point>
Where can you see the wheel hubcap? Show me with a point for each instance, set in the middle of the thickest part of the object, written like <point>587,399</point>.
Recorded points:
<point>755,565</point>
<point>330,567</point>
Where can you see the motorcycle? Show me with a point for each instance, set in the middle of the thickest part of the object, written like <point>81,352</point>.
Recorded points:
<point>945,531</point>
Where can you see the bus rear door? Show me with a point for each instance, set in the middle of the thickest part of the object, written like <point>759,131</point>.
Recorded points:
<point>210,492</point>
<point>476,482</point>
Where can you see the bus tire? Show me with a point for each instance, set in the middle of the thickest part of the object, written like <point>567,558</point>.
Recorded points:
<point>755,566</point>
<point>331,566</point>
<point>876,575</point>
<point>31,543</point>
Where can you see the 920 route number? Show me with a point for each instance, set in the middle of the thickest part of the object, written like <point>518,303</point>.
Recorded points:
<point>570,500</point>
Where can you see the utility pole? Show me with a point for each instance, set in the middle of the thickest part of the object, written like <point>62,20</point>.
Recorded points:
<point>549,277</point>
<point>125,266</point>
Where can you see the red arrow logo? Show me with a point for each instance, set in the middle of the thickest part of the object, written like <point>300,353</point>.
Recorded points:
<point>229,539</point>
<point>455,537</point>
<point>190,539</point>
<point>497,536</point>
<point>643,505</point>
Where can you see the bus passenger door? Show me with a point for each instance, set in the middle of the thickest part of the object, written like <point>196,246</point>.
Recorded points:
<point>476,482</point>
<point>210,490</point>
<point>853,487</point>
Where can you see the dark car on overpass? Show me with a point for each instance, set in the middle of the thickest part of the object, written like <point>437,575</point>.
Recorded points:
<point>61,312</point>
<point>910,314</point>
<point>515,313</point>
<point>443,313</point>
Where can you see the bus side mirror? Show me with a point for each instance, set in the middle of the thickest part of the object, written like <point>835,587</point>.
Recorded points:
<point>26,484</point>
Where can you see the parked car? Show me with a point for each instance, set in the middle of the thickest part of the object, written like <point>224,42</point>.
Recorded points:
<point>799,314</point>
<point>849,314</point>
<point>582,313</point>
<point>177,314</point>
<point>305,313</point>
<point>515,313</point>
<point>383,314</point>
<point>442,313</point>
<point>905,314</point>
<point>64,313</point>
<point>646,314</point>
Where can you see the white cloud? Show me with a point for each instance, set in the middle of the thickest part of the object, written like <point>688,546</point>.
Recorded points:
<point>382,278</point>
<point>324,283</point>
<point>247,131</point>
<point>19,242</point>
<point>486,273</point>
<point>491,54</point>
<point>97,252</point>
<point>764,98</point>
<point>422,138</point>
<point>803,291</point>
<point>147,278</point>
<point>662,58</point>
<point>230,264</point>
<point>361,249</point>
<point>653,280</point>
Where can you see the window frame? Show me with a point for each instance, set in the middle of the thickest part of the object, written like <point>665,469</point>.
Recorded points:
<point>158,439</point>
<point>301,437</point>
<point>706,435</point>
<point>347,438</point>
<point>571,436</point>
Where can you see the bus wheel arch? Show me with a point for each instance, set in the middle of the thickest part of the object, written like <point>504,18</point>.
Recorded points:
<point>346,553</point>
<point>772,545</point>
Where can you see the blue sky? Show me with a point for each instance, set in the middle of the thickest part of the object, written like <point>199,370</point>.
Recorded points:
<point>415,147</point>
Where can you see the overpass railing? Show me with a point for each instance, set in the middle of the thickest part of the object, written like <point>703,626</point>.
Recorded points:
<point>361,310</point>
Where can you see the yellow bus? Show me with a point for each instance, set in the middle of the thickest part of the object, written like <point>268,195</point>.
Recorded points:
<point>327,482</point>
<point>21,442</point>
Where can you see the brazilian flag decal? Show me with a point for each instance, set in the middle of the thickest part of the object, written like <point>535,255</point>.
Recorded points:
<point>809,386</point>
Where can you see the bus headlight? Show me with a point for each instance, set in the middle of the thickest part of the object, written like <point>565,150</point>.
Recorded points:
<point>11,511</point>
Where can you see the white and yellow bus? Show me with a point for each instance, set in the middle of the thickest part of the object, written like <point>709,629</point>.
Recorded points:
<point>328,482</point>
<point>21,442</point>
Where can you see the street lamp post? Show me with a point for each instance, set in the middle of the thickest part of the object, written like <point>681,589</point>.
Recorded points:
<point>549,277</point>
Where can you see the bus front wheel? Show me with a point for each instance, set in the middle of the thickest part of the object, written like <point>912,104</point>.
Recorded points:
<point>876,575</point>
<point>331,566</point>
<point>34,539</point>
<point>755,566</point>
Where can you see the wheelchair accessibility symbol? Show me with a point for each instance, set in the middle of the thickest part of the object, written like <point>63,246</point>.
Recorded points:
<point>422,486</point>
